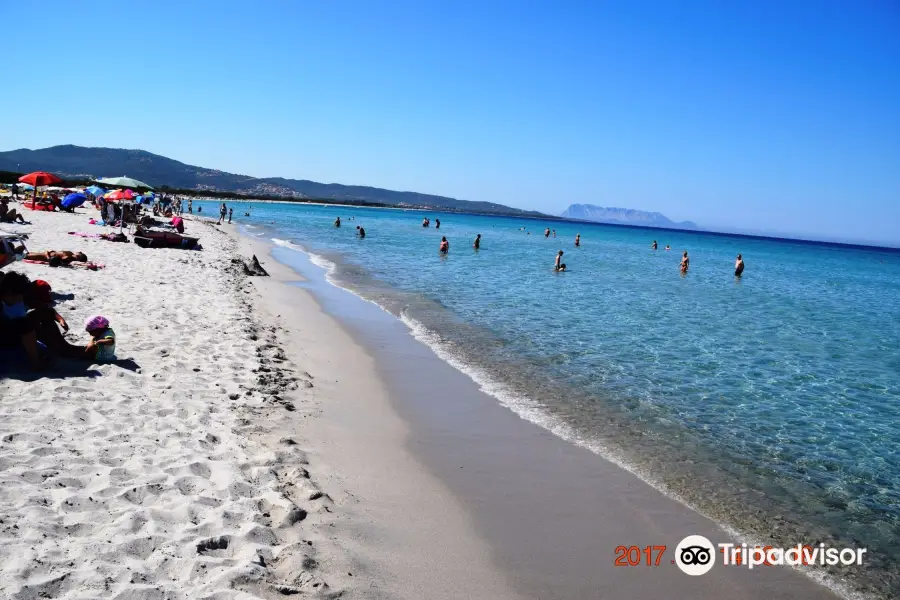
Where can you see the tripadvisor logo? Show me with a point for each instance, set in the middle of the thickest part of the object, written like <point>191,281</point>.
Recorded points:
<point>695,555</point>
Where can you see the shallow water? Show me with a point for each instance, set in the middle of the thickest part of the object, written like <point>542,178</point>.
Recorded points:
<point>769,402</point>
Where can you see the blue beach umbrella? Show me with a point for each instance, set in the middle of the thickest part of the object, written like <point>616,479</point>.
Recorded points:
<point>73,200</point>
<point>95,191</point>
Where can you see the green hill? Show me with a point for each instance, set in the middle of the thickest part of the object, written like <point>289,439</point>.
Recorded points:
<point>76,161</point>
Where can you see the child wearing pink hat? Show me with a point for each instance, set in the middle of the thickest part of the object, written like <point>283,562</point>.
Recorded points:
<point>102,346</point>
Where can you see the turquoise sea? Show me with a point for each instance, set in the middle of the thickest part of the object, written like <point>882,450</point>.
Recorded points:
<point>770,403</point>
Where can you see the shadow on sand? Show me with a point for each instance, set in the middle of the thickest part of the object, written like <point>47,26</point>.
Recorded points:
<point>61,369</point>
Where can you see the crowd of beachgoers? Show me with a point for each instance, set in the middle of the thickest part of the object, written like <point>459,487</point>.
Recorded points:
<point>143,391</point>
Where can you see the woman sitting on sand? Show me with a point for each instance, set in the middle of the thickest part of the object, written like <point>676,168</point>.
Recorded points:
<point>9,215</point>
<point>28,317</point>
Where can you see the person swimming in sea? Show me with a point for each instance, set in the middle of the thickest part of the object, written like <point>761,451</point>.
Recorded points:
<point>477,243</point>
<point>559,265</point>
<point>654,245</point>
<point>577,240</point>
<point>668,247</point>
<point>337,222</point>
<point>360,232</point>
<point>547,232</point>
<point>738,266</point>
<point>445,246</point>
<point>685,263</point>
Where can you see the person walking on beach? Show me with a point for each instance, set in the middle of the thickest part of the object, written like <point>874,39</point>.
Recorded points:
<point>577,240</point>
<point>222,213</point>
<point>559,265</point>
<point>738,266</point>
<point>191,206</point>
<point>477,243</point>
<point>445,245</point>
<point>685,263</point>
<point>15,192</point>
<point>230,212</point>
<point>654,245</point>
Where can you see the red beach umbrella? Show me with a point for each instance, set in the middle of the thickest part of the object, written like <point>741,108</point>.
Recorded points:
<point>39,178</point>
<point>120,195</point>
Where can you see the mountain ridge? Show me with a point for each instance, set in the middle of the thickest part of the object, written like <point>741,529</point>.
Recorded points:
<point>73,161</point>
<point>624,216</point>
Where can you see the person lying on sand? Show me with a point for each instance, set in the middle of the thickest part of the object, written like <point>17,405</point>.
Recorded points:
<point>56,257</point>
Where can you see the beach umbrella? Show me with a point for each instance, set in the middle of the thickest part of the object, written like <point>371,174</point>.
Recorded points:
<point>119,195</point>
<point>123,182</point>
<point>74,200</point>
<point>39,178</point>
<point>95,191</point>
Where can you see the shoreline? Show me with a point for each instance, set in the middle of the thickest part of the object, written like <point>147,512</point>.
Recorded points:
<point>813,585</point>
<point>280,435</point>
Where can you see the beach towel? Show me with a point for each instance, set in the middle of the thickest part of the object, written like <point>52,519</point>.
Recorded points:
<point>90,266</point>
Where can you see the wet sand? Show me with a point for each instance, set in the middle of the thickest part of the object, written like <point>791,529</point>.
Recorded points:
<point>546,514</point>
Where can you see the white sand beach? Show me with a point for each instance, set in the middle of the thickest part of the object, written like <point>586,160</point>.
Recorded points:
<point>162,476</point>
<point>196,466</point>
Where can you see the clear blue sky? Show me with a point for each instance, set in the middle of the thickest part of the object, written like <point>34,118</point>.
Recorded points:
<point>782,116</point>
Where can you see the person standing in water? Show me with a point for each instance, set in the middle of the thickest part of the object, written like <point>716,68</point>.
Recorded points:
<point>654,245</point>
<point>337,222</point>
<point>360,232</point>
<point>445,246</point>
<point>577,240</point>
<point>477,243</point>
<point>738,266</point>
<point>554,233</point>
<point>191,206</point>
<point>230,212</point>
<point>437,223</point>
<point>559,265</point>
<point>685,263</point>
<point>223,212</point>
<point>547,232</point>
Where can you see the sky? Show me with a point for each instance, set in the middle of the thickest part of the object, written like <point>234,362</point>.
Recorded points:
<point>770,116</point>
